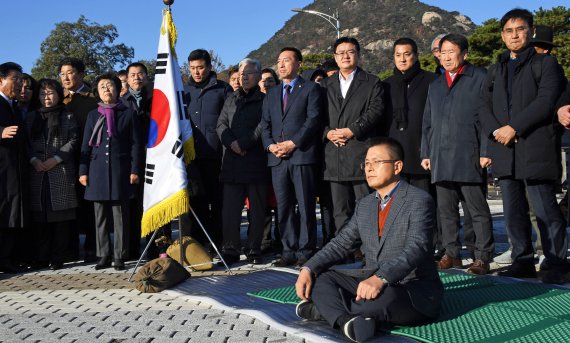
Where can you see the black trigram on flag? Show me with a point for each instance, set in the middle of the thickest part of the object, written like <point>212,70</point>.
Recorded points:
<point>182,109</point>
<point>149,173</point>
<point>178,148</point>
<point>161,63</point>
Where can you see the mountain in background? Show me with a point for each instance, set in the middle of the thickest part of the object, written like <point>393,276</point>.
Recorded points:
<point>375,23</point>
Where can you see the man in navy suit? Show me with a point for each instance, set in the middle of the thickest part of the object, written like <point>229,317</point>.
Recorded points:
<point>393,226</point>
<point>291,127</point>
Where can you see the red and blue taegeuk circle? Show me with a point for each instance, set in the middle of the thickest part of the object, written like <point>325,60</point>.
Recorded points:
<point>159,118</point>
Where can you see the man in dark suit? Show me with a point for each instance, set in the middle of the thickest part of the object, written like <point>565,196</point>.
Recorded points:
<point>290,129</point>
<point>399,284</point>
<point>353,112</point>
<point>12,163</point>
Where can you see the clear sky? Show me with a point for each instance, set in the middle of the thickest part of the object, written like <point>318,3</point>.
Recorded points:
<point>232,28</point>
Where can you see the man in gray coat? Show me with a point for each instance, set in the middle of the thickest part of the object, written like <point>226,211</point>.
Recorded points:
<point>399,283</point>
<point>454,149</point>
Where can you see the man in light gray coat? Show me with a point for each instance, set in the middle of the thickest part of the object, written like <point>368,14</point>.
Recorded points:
<point>393,226</point>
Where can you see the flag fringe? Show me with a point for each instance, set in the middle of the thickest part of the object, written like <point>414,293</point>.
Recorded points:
<point>163,212</point>
<point>189,152</point>
<point>172,33</point>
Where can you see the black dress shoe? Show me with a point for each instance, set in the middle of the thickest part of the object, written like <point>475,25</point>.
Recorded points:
<point>520,270</point>
<point>306,309</point>
<point>283,262</point>
<point>254,259</point>
<point>119,265</point>
<point>554,276</point>
<point>301,261</point>
<point>230,259</point>
<point>103,263</point>
<point>9,268</point>
<point>56,266</point>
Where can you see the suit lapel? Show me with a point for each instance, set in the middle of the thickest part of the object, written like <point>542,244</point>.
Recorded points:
<point>398,200</point>
<point>353,89</point>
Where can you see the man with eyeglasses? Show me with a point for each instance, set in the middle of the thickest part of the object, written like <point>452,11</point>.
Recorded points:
<point>12,169</point>
<point>139,99</point>
<point>399,283</point>
<point>520,94</point>
<point>455,152</point>
<point>79,100</point>
<point>352,115</point>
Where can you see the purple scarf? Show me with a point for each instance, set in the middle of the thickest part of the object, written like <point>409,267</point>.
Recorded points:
<point>107,112</point>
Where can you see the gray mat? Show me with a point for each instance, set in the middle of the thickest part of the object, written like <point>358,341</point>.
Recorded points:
<point>229,293</point>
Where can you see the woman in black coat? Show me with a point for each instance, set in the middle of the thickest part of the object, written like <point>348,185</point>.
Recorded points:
<point>110,167</point>
<point>54,138</point>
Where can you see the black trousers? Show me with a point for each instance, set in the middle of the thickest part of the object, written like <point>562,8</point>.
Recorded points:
<point>550,220</point>
<point>208,204</point>
<point>51,241</point>
<point>327,216</point>
<point>295,192</point>
<point>449,194</point>
<point>334,295</point>
<point>344,196</point>
<point>234,199</point>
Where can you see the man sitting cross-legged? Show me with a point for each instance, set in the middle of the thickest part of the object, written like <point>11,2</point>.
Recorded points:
<point>393,227</point>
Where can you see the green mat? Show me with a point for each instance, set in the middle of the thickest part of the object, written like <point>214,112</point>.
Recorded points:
<point>476,309</point>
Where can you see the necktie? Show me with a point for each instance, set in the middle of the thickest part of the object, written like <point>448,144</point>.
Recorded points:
<point>286,96</point>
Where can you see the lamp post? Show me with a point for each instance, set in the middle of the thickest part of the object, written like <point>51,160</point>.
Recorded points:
<point>332,19</point>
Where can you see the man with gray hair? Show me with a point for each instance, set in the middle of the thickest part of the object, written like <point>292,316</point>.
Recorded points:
<point>244,170</point>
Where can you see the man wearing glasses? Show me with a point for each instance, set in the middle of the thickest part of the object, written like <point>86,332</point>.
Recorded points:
<point>519,97</point>
<point>352,116</point>
<point>399,283</point>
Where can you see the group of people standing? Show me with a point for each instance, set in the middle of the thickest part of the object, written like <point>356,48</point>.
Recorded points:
<point>279,135</point>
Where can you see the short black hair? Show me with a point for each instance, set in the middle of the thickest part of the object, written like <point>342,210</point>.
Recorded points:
<point>517,13</point>
<point>350,40</point>
<point>50,83</point>
<point>232,70</point>
<point>296,51</point>
<point>200,54</point>
<point>6,68</point>
<point>75,63</point>
<point>406,41</point>
<point>137,64</point>
<point>457,39</point>
<point>107,76</point>
<point>395,149</point>
<point>272,72</point>
<point>122,72</point>
<point>329,65</point>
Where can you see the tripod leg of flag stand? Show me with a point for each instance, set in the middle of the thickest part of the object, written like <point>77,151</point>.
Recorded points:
<point>144,253</point>
<point>212,242</point>
<point>180,242</point>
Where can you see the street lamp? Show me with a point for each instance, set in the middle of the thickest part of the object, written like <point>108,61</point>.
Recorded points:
<point>332,19</point>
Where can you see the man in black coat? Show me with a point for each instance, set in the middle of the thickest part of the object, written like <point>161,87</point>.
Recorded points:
<point>520,96</point>
<point>352,116</point>
<point>139,99</point>
<point>406,94</point>
<point>290,130</point>
<point>12,163</point>
<point>244,165</point>
<point>455,152</point>
<point>205,97</point>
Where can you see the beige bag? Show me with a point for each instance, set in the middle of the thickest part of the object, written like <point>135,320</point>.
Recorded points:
<point>194,253</point>
<point>160,274</point>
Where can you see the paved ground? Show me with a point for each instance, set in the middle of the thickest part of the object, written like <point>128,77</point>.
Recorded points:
<point>80,304</point>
